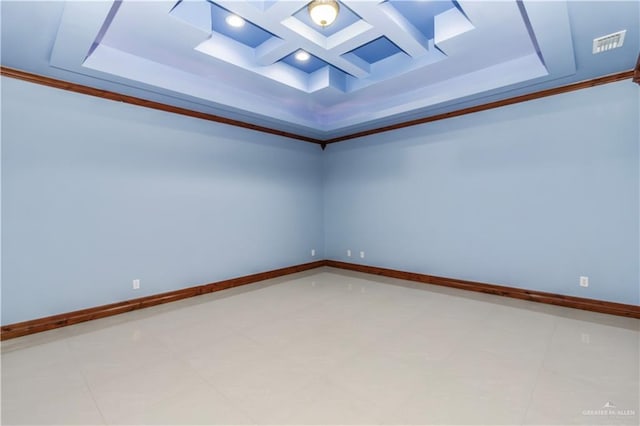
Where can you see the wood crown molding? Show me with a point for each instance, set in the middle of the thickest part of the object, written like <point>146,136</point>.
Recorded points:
<point>106,94</point>
<point>491,105</point>
<point>24,328</point>
<point>78,88</point>
<point>601,306</point>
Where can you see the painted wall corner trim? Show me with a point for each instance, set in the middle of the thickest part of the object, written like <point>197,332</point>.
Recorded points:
<point>24,328</point>
<point>613,308</point>
<point>106,94</point>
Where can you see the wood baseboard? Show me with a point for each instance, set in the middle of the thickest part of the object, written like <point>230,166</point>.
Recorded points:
<point>62,320</point>
<point>11,331</point>
<point>613,308</point>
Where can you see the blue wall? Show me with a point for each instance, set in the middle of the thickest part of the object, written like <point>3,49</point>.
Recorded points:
<point>532,195</point>
<point>97,193</point>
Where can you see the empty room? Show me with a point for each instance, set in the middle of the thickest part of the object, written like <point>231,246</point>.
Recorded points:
<point>327,212</point>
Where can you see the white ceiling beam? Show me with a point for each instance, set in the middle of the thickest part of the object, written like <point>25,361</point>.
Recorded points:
<point>396,27</point>
<point>278,21</point>
<point>352,37</point>
<point>273,50</point>
<point>284,8</point>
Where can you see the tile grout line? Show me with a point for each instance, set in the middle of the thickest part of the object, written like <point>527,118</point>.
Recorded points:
<point>540,369</point>
<point>84,379</point>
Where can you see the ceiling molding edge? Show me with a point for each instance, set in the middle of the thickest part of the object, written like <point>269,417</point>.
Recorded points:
<point>611,78</point>
<point>633,74</point>
<point>114,96</point>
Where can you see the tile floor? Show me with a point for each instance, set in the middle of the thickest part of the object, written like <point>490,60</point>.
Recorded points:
<point>330,347</point>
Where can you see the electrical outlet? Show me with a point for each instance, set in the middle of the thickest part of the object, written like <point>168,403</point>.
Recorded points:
<point>361,255</point>
<point>313,252</point>
<point>348,253</point>
<point>584,281</point>
<point>136,284</point>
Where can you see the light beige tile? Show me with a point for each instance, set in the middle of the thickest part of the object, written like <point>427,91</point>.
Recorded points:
<point>45,356</point>
<point>326,347</point>
<point>436,407</point>
<point>599,354</point>
<point>560,400</point>
<point>182,338</point>
<point>225,356</point>
<point>43,382</point>
<point>324,403</point>
<point>140,390</point>
<point>201,405</point>
<point>508,344</point>
<point>378,378</point>
<point>65,407</point>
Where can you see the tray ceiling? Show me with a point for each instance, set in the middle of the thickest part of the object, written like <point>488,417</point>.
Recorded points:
<point>379,63</point>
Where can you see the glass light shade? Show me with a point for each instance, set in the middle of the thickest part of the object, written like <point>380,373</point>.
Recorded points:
<point>302,56</point>
<point>235,21</point>
<point>323,12</point>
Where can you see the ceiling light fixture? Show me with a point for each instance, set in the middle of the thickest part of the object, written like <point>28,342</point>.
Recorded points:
<point>323,12</point>
<point>235,21</point>
<point>302,56</point>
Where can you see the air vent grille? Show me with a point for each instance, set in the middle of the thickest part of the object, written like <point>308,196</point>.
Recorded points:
<point>608,42</point>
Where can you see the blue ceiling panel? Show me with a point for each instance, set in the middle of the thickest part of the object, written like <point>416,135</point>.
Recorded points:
<point>311,65</point>
<point>346,17</point>
<point>376,50</point>
<point>263,4</point>
<point>421,13</point>
<point>249,34</point>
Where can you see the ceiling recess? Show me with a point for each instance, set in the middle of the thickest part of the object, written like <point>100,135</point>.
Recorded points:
<point>608,42</point>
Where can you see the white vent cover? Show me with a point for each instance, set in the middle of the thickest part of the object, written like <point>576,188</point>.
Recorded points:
<point>608,42</point>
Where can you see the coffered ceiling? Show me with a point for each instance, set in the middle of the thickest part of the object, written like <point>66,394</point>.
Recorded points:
<point>381,62</point>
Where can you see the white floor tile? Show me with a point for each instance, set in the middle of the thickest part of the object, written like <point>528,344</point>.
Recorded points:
<point>330,347</point>
<point>560,400</point>
<point>378,378</point>
<point>324,402</point>
<point>201,405</point>
<point>68,407</point>
<point>136,392</point>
